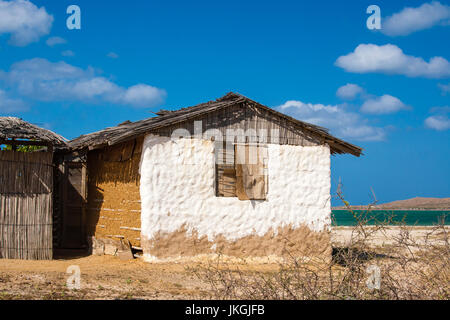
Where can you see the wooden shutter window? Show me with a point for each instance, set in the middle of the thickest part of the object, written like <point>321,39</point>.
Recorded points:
<point>225,171</point>
<point>251,172</point>
<point>241,171</point>
<point>226,181</point>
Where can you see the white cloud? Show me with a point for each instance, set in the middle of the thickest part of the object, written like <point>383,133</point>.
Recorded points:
<point>383,105</point>
<point>410,20</point>
<point>438,122</point>
<point>43,80</point>
<point>445,88</point>
<point>349,91</point>
<point>68,53</point>
<point>341,122</point>
<point>9,105</point>
<point>137,95</point>
<point>390,59</point>
<point>112,55</point>
<point>53,41</point>
<point>24,21</point>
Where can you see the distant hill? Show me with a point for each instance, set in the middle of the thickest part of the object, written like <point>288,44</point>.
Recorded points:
<point>414,203</point>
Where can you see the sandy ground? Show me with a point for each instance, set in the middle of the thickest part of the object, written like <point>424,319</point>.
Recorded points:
<point>388,236</point>
<point>104,277</point>
<point>108,277</point>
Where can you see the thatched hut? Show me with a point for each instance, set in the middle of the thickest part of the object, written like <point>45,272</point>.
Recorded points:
<point>26,189</point>
<point>182,183</point>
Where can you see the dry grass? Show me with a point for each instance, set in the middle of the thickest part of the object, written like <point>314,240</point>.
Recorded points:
<point>409,268</point>
<point>102,277</point>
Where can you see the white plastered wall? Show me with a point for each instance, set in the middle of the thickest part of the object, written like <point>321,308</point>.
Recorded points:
<point>178,190</point>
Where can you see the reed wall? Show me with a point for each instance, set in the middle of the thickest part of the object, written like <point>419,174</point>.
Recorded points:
<point>26,184</point>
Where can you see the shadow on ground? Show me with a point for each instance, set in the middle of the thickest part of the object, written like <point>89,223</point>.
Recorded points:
<point>67,254</point>
<point>345,256</point>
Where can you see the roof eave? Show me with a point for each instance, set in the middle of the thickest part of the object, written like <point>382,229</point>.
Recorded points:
<point>336,145</point>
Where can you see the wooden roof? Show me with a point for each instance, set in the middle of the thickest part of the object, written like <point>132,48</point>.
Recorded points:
<point>16,128</point>
<point>130,130</point>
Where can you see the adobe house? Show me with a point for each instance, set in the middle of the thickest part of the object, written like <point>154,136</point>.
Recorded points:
<point>228,176</point>
<point>27,189</point>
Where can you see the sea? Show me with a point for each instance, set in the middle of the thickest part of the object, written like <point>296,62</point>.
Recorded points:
<point>391,217</point>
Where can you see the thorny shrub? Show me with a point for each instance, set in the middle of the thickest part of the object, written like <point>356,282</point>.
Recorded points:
<point>409,268</point>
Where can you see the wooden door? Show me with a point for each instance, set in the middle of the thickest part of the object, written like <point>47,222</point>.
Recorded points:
<point>74,205</point>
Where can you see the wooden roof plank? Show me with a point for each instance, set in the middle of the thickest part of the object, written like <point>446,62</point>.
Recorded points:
<point>128,131</point>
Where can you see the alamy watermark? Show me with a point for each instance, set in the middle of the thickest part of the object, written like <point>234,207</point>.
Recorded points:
<point>374,21</point>
<point>235,146</point>
<point>74,20</point>
<point>374,280</point>
<point>74,280</point>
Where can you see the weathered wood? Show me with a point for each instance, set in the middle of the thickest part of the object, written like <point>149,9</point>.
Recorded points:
<point>232,111</point>
<point>74,205</point>
<point>26,172</point>
<point>251,177</point>
<point>26,222</point>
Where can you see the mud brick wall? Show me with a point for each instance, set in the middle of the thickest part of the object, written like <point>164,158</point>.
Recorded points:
<point>114,204</point>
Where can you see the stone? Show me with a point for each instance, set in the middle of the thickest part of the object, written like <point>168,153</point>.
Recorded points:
<point>110,249</point>
<point>125,255</point>
<point>97,246</point>
<point>125,252</point>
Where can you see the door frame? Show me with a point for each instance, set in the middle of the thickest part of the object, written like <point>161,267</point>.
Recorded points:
<point>67,165</point>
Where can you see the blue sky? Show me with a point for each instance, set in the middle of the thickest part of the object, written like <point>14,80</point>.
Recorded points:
<point>133,57</point>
